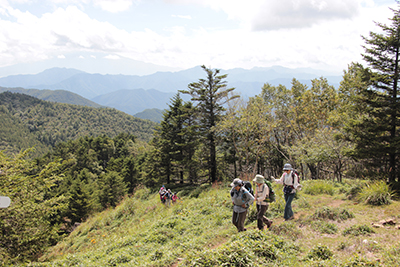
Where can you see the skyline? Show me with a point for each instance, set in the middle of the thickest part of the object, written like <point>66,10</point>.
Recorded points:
<point>140,37</point>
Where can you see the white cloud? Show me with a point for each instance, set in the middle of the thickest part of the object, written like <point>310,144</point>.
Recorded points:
<point>113,6</point>
<point>182,16</point>
<point>302,13</point>
<point>331,39</point>
<point>269,15</point>
<point>112,57</point>
<point>61,56</point>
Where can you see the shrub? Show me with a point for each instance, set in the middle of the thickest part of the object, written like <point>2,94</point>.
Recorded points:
<point>319,187</point>
<point>324,227</point>
<point>377,193</point>
<point>142,193</point>
<point>287,229</point>
<point>251,248</point>
<point>230,254</point>
<point>357,230</point>
<point>354,188</point>
<point>332,214</point>
<point>321,252</point>
<point>357,261</point>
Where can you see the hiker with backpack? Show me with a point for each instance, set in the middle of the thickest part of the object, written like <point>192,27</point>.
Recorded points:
<point>168,196</point>
<point>242,200</point>
<point>162,193</point>
<point>174,197</point>
<point>290,181</point>
<point>262,196</point>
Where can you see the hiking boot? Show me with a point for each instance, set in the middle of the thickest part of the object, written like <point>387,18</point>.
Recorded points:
<point>269,224</point>
<point>290,218</point>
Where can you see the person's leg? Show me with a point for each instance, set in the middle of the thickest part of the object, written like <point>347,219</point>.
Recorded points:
<point>242,218</point>
<point>267,221</point>
<point>260,216</point>
<point>288,207</point>
<point>235,219</point>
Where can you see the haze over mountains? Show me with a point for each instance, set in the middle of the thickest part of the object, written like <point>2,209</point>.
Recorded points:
<point>133,93</point>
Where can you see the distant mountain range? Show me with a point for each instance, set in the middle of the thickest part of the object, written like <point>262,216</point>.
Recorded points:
<point>133,94</point>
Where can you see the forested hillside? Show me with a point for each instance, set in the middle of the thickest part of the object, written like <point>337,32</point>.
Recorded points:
<point>60,96</point>
<point>28,121</point>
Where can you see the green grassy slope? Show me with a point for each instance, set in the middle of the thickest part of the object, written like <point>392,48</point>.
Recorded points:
<point>328,230</point>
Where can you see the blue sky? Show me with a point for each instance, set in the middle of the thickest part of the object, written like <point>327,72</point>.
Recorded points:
<point>144,36</point>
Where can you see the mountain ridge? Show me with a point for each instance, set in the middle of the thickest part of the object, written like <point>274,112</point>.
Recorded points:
<point>101,87</point>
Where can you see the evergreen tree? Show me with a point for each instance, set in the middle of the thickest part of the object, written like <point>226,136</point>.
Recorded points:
<point>111,189</point>
<point>377,132</point>
<point>210,94</point>
<point>175,141</point>
<point>27,226</point>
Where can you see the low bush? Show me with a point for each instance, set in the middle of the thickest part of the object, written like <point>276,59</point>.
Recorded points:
<point>324,227</point>
<point>357,230</point>
<point>320,252</point>
<point>142,193</point>
<point>378,193</point>
<point>336,214</point>
<point>318,187</point>
<point>356,260</point>
<point>287,229</point>
<point>251,248</point>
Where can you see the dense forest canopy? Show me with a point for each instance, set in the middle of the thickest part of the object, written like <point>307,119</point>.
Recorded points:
<point>28,121</point>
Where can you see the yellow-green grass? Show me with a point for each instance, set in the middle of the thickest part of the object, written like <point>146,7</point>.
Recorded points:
<point>197,231</point>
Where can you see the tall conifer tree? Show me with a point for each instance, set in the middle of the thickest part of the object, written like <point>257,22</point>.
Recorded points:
<point>378,131</point>
<point>210,94</point>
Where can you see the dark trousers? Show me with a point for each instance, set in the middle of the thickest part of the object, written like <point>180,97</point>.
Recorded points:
<point>261,219</point>
<point>238,220</point>
<point>288,207</point>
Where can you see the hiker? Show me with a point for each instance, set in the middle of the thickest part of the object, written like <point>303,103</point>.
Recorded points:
<point>168,196</point>
<point>162,193</point>
<point>261,197</point>
<point>290,186</point>
<point>174,197</point>
<point>242,200</point>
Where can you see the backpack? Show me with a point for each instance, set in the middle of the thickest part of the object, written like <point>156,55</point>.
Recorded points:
<point>293,174</point>
<point>271,196</point>
<point>248,187</point>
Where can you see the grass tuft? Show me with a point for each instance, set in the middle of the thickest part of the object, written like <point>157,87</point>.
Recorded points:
<point>335,214</point>
<point>377,194</point>
<point>356,230</point>
<point>319,187</point>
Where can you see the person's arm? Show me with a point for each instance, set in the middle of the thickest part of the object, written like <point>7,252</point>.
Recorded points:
<point>279,181</point>
<point>264,194</point>
<point>232,194</point>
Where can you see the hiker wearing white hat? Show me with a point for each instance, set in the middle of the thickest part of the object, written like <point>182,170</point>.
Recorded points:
<point>261,195</point>
<point>290,182</point>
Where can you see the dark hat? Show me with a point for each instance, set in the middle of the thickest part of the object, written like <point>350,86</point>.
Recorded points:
<point>236,182</point>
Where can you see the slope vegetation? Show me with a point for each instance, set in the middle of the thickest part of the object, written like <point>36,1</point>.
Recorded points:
<point>329,229</point>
